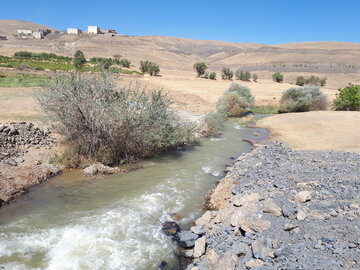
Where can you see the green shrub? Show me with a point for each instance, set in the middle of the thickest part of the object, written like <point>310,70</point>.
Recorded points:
<point>110,124</point>
<point>200,68</point>
<point>212,76</point>
<point>303,99</point>
<point>23,54</point>
<point>227,74</point>
<point>348,99</point>
<point>254,77</point>
<point>206,75</point>
<point>212,124</point>
<point>124,63</point>
<point>278,77</point>
<point>149,67</point>
<point>236,100</point>
<point>243,75</point>
<point>153,69</point>
<point>312,80</point>
<point>79,60</point>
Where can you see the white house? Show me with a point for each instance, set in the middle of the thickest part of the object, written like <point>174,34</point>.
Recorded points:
<point>24,32</point>
<point>93,30</point>
<point>74,31</point>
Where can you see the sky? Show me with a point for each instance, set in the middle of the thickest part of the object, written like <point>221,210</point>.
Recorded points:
<point>256,21</point>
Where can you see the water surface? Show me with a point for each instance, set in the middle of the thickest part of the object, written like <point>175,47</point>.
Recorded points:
<point>114,222</point>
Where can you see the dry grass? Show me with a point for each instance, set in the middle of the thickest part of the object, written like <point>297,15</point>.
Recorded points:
<point>317,130</point>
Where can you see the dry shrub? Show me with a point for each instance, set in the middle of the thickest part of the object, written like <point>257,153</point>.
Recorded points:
<point>236,100</point>
<point>303,99</point>
<point>110,124</point>
<point>212,124</point>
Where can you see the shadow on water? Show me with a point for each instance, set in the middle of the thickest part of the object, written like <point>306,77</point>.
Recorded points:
<point>114,221</point>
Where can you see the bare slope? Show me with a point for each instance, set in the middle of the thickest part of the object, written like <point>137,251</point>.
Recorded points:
<point>181,53</point>
<point>9,27</point>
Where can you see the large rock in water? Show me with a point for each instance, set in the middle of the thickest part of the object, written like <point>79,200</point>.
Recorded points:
<point>170,228</point>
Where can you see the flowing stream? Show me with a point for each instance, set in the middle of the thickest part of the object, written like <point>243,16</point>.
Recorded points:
<point>114,222</point>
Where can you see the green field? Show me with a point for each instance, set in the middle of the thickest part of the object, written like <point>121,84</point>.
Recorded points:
<point>23,80</point>
<point>45,61</point>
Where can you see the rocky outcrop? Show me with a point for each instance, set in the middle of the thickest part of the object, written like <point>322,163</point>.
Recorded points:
<point>284,209</point>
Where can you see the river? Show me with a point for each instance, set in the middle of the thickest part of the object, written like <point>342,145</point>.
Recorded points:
<point>114,222</point>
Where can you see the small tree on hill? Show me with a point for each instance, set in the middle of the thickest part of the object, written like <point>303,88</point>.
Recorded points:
<point>149,67</point>
<point>227,74</point>
<point>200,68</point>
<point>243,75</point>
<point>153,69</point>
<point>212,76</point>
<point>278,77</point>
<point>79,60</point>
<point>254,77</point>
<point>124,62</point>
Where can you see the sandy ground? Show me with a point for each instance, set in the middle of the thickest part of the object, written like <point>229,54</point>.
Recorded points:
<point>197,95</point>
<point>314,130</point>
<point>318,130</point>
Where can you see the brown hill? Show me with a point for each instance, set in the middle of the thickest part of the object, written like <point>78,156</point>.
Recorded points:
<point>9,27</point>
<point>180,53</point>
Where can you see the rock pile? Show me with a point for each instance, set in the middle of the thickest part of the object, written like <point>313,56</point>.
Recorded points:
<point>16,137</point>
<point>280,208</point>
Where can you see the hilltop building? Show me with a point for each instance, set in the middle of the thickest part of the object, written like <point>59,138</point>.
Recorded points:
<point>74,31</point>
<point>93,30</point>
<point>37,34</point>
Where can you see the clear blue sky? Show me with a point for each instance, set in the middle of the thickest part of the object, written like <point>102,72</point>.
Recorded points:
<point>260,21</point>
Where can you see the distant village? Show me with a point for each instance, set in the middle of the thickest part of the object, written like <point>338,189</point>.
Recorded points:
<point>41,33</point>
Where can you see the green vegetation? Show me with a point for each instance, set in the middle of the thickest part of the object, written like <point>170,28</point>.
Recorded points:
<point>40,56</point>
<point>254,77</point>
<point>200,68</point>
<point>23,80</point>
<point>265,109</point>
<point>149,67</point>
<point>243,75</point>
<point>227,74</point>
<point>278,77</point>
<point>79,60</point>
<point>124,63</point>
<point>212,76</point>
<point>348,99</point>
<point>236,100</point>
<point>312,80</point>
<point>49,61</point>
<point>110,124</point>
<point>303,99</point>
<point>56,63</point>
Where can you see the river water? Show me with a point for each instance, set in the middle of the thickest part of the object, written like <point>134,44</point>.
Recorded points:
<point>114,222</point>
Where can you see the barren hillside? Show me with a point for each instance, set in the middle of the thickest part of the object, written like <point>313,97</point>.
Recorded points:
<point>323,58</point>
<point>9,27</point>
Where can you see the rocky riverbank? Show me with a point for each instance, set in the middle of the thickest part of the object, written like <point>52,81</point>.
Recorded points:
<point>280,208</point>
<point>25,151</point>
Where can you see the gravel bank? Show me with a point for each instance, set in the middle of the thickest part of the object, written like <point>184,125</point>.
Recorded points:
<point>279,208</point>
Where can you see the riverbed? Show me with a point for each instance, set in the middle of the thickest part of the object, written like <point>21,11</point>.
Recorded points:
<point>114,222</point>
